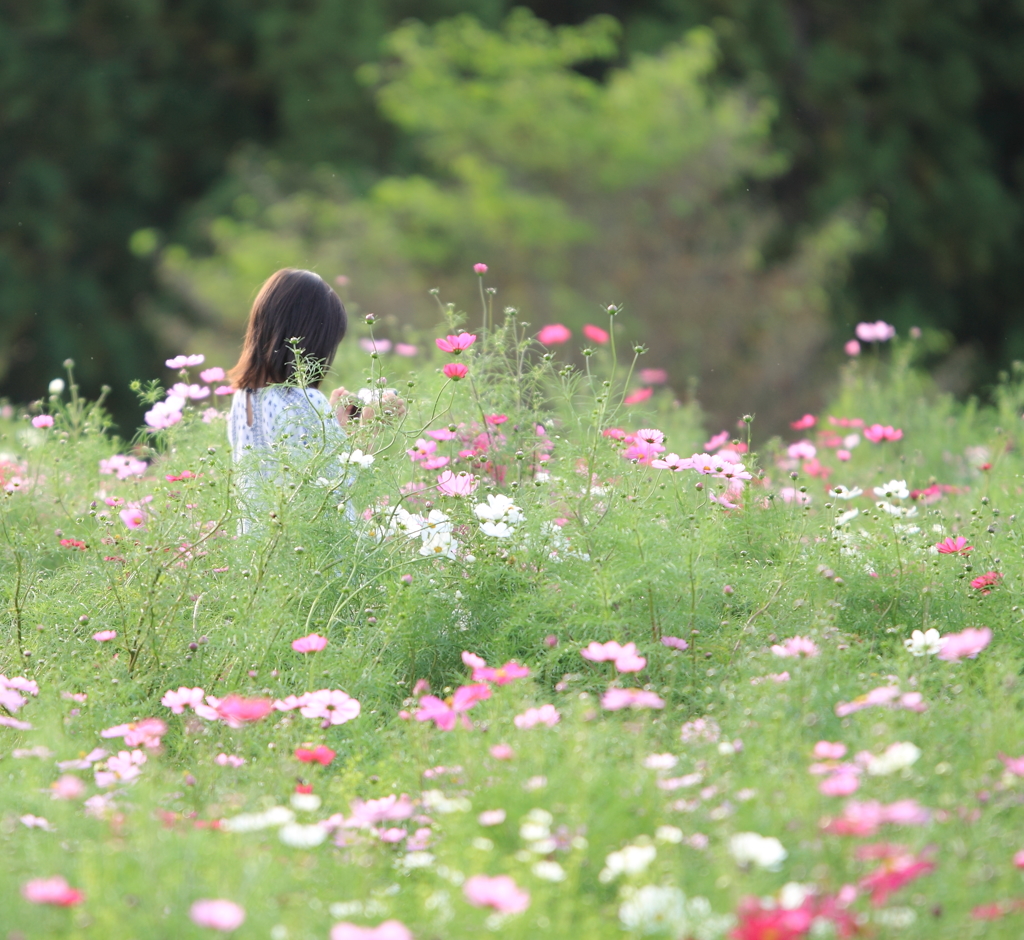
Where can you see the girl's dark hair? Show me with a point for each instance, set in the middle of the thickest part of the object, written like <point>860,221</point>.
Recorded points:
<point>291,304</point>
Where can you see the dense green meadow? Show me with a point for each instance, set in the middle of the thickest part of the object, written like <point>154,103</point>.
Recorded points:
<point>748,748</point>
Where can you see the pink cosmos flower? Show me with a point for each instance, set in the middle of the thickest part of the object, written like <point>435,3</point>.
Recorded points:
<point>653,376</point>
<point>461,484</point>
<point>123,767</point>
<point>802,424</point>
<point>53,890</point>
<point>796,646</point>
<point>965,645</point>
<point>877,332</point>
<point>502,675</point>
<point>185,362</point>
<point>42,421</point>
<point>642,451</point>
<point>675,642</point>
<point>123,466</point>
<point>16,723</point>
<point>595,334</point>
<point>480,269</point>
<point>376,345</point>
<point>391,808</point>
<point>214,374</point>
<point>545,715</point>
<point>830,750</point>
<point>164,414</point>
<point>67,787</point>
<point>501,893</point>
<point>672,462</point>
<point>145,733</point>
<point>455,371</point>
<point>985,581</point>
<point>194,392</point>
<point>628,660</point>
<point>217,914</point>
<point>332,705</point>
<point>884,695</point>
<point>1013,764</point>
<point>82,763</point>
<point>505,752</point>
<point>840,784</point>
<point>640,395</point>
<point>894,873</point>
<point>237,710</point>
<point>444,713</point>
<point>224,390</point>
<point>133,518</point>
<point>184,698</point>
<point>602,652</point>
<point>389,929</point>
<point>878,433</point>
<point>852,348</point>
<point>104,636</point>
<point>554,334</point>
<point>615,699</point>
<point>865,819</point>
<point>406,349</point>
<point>309,644</point>
<point>456,344</point>
<point>954,546</point>
<point>802,450</point>
<point>229,760</point>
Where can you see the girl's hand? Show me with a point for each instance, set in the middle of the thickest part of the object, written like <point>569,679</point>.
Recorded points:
<point>391,406</point>
<point>346,405</point>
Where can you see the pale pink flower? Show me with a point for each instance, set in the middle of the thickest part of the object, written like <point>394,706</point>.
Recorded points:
<point>83,763</point>
<point>67,787</point>
<point>36,822</point>
<point>184,698</point>
<point>309,644</point>
<point>133,518</point>
<point>16,723</point>
<point>554,334</point>
<point>123,466</point>
<point>501,893</point>
<point>388,930</point>
<point>11,699</point>
<point>840,784</point>
<point>53,890</point>
<point>615,699</point>
<point>229,760</point>
<point>830,750</point>
<point>422,449</point>
<point>865,819</point>
<point>502,752</point>
<point>700,729</point>
<point>650,436</point>
<point>796,646</point>
<point>491,817</point>
<point>965,645</point>
<point>42,421</point>
<point>387,809</point>
<point>164,414</point>
<point>790,494</point>
<point>628,660</point>
<point>852,347</point>
<point>194,392</point>
<point>480,268</point>
<point>456,344</point>
<point>20,684</point>
<point>877,332</point>
<point>104,636</point>
<point>224,390</point>
<point>406,349</point>
<point>472,660</point>
<point>653,376</point>
<point>545,715</point>
<point>123,767</point>
<point>500,675</point>
<point>602,652</point>
<point>237,710</point>
<point>802,450</point>
<point>461,484</point>
<point>672,462</point>
<point>332,705</point>
<point>217,914</point>
<point>675,643</point>
<point>211,375</point>
<point>1013,764</point>
<point>185,362</point>
<point>883,695</point>
<point>146,733</point>
<point>376,345</point>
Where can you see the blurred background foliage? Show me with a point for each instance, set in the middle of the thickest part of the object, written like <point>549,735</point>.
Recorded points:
<point>748,177</point>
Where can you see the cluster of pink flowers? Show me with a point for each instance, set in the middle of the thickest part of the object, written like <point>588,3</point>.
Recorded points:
<point>500,893</point>
<point>796,647</point>
<point>12,699</point>
<point>165,414</point>
<point>500,675</point>
<point>865,819</point>
<point>146,733</point>
<point>332,706</point>
<point>123,466</point>
<point>625,658</point>
<point>546,715</point>
<point>615,699</point>
<point>445,712</point>
<point>877,433</point>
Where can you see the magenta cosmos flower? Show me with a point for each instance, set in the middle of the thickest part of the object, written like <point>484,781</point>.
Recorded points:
<point>615,699</point>
<point>965,645</point>
<point>456,344</point>
<point>595,334</point>
<point>444,712</point>
<point>389,930</point>
<point>554,334</point>
<point>501,893</point>
<point>309,644</point>
<point>53,890</point>
<point>954,546</point>
<point>455,371</point>
<point>217,914</point>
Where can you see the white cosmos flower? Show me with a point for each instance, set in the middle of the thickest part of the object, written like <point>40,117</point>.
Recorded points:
<point>498,530</point>
<point>894,489</point>
<point>844,492</point>
<point>896,757</point>
<point>440,545</point>
<point>655,909</point>
<point>356,457</point>
<point>926,643</point>
<point>902,511</point>
<point>845,517</point>
<point>549,871</point>
<point>308,802</point>
<point>749,848</point>
<point>302,837</point>
<point>56,386</point>
<point>631,860</point>
<point>499,508</point>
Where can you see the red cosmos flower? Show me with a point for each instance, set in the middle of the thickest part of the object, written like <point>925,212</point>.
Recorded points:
<point>774,924</point>
<point>455,371</point>
<point>954,546</point>
<point>321,754</point>
<point>73,543</point>
<point>237,708</point>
